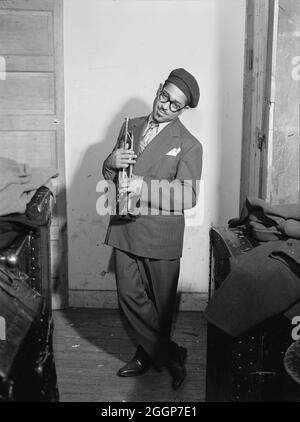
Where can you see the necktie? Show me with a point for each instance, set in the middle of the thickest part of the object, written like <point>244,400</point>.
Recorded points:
<point>148,136</point>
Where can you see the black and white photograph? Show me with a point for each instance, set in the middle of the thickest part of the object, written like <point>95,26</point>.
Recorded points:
<point>149,204</point>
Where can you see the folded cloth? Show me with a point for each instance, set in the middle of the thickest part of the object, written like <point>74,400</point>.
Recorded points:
<point>13,172</point>
<point>261,284</point>
<point>291,228</point>
<point>15,197</point>
<point>285,211</point>
<point>36,215</point>
<point>290,255</point>
<point>265,234</point>
<point>280,221</point>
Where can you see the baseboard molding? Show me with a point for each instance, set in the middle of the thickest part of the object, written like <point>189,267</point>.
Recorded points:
<point>107,299</point>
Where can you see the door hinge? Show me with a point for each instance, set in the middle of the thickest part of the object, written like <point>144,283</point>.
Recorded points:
<point>261,140</point>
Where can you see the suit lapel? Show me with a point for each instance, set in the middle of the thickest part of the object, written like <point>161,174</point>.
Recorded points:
<point>158,147</point>
<point>137,128</point>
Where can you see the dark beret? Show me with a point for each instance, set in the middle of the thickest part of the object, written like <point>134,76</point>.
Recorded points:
<point>187,84</point>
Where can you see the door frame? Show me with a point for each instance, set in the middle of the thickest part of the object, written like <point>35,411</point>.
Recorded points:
<point>258,99</point>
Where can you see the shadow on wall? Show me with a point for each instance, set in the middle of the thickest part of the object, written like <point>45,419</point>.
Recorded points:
<point>59,272</point>
<point>82,193</point>
<point>85,225</point>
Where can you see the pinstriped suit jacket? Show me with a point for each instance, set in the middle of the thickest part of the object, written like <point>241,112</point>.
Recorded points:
<point>158,236</point>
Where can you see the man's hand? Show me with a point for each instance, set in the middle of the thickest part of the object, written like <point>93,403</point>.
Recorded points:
<point>132,186</point>
<point>121,158</point>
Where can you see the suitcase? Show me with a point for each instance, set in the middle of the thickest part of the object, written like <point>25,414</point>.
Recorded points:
<point>20,308</point>
<point>30,252</point>
<point>27,366</point>
<point>248,368</point>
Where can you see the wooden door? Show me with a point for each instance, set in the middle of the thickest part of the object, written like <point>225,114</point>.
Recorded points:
<point>281,184</point>
<point>256,86</point>
<point>31,107</point>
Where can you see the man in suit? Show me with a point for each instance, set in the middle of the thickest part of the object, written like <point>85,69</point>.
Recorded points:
<point>167,165</point>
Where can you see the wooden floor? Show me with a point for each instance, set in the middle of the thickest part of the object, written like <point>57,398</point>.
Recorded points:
<point>90,345</point>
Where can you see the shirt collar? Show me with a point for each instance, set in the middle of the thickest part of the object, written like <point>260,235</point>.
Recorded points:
<point>160,125</point>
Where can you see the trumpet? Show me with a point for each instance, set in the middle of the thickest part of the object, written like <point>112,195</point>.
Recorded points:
<point>123,202</point>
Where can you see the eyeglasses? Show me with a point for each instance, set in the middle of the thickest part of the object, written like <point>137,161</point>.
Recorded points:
<point>173,105</point>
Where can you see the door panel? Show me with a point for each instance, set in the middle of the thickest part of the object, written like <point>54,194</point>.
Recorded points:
<point>32,147</point>
<point>28,93</point>
<point>26,32</point>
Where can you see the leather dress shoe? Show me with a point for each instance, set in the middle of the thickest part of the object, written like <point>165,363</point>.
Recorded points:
<point>177,368</point>
<point>138,365</point>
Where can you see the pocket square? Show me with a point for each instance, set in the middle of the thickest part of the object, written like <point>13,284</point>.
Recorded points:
<point>174,151</point>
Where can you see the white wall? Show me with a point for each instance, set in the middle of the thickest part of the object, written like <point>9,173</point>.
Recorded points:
<point>116,54</point>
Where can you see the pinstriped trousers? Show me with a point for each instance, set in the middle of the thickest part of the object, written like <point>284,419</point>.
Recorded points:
<point>147,293</point>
